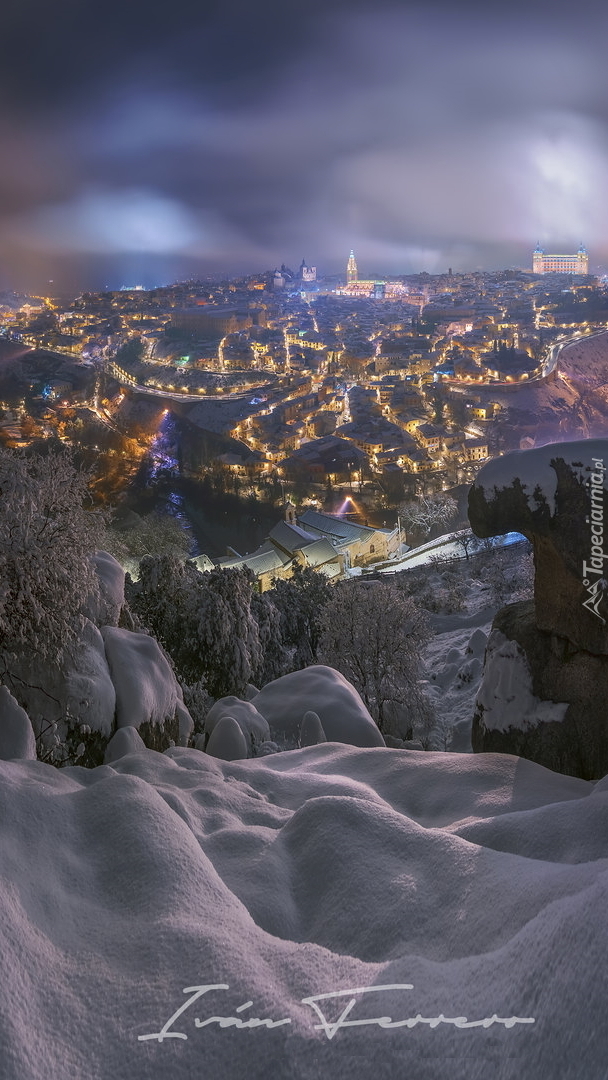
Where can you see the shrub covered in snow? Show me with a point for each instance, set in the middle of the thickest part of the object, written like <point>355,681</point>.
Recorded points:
<point>311,731</point>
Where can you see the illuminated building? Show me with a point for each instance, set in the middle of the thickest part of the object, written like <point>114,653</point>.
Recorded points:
<point>560,264</point>
<point>374,290</point>
<point>352,274</point>
<point>307,273</point>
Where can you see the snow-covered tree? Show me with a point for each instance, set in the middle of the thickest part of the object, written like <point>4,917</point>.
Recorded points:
<point>300,601</point>
<point>207,622</point>
<point>47,537</point>
<point>373,633</point>
<point>428,512</point>
<point>274,658</point>
<point>131,536</point>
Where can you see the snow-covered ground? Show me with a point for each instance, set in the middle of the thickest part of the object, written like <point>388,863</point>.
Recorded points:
<point>160,915</point>
<point>453,670</point>
<point>445,547</point>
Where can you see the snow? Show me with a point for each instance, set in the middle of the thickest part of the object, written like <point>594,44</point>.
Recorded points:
<point>185,721</point>
<point>311,731</point>
<point>146,688</point>
<point>251,722</point>
<point>326,692</point>
<point>126,740</point>
<point>446,547</point>
<point>480,881</point>
<point>453,666</point>
<point>79,692</point>
<point>89,691</point>
<point>17,738</point>
<point>506,696</point>
<point>111,578</point>
<point>227,740</point>
<point>533,468</point>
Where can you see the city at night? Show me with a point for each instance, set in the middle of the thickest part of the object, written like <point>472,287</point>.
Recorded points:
<point>303,601</point>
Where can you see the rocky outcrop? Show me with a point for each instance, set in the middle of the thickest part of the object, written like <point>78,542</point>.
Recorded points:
<point>542,699</point>
<point>554,495</point>
<point>545,680</point>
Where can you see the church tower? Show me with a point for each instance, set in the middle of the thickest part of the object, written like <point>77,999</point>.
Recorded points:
<point>352,274</point>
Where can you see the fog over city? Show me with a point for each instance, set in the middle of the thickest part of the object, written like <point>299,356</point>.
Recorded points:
<point>148,144</point>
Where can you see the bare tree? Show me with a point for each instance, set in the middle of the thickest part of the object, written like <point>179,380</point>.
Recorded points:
<point>429,511</point>
<point>373,633</point>
<point>466,543</point>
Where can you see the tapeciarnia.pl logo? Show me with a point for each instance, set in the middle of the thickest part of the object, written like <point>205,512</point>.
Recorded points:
<point>593,571</point>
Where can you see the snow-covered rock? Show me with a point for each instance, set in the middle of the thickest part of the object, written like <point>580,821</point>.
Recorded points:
<point>227,740</point>
<point>147,693</point>
<point>17,739</point>
<point>324,691</point>
<point>126,740</point>
<point>185,723</point>
<point>90,696</point>
<point>105,610</point>
<point>477,643</point>
<point>505,699</point>
<point>535,470</point>
<point>311,731</point>
<point>539,698</point>
<point>251,722</point>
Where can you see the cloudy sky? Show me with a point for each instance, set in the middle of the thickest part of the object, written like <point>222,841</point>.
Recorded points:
<point>146,142</point>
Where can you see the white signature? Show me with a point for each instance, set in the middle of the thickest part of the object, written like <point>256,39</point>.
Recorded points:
<point>330,1028</point>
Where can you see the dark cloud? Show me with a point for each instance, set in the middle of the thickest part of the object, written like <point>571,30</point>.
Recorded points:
<point>166,139</point>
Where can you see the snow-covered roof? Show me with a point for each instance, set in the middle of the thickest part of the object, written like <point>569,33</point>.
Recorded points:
<point>290,537</point>
<point>328,525</point>
<point>263,561</point>
<point>319,552</point>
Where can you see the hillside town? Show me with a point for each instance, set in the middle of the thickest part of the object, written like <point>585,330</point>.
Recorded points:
<point>284,384</point>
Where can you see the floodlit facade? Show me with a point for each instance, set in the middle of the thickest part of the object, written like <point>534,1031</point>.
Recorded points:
<point>560,264</point>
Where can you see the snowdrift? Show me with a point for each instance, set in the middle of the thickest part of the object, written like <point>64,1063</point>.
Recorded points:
<point>473,890</point>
